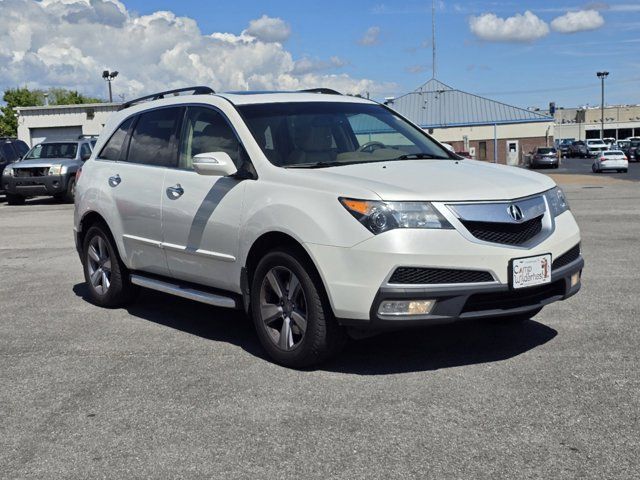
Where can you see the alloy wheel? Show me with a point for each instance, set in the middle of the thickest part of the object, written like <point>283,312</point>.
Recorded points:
<point>99,265</point>
<point>283,308</point>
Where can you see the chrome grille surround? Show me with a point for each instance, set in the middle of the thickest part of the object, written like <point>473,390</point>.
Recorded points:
<point>475,220</point>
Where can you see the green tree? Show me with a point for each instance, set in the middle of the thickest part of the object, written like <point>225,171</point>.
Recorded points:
<point>24,97</point>
<point>17,97</point>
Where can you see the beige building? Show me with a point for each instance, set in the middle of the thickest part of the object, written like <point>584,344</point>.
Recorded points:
<point>620,122</point>
<point>62,122</point>
<point>487,129</point>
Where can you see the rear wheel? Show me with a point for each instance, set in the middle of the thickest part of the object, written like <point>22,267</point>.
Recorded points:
<point>290,311</point>
<point>13,199</point>
<point>106,276</point>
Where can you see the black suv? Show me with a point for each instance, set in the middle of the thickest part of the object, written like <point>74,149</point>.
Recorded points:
<point>11,150</point>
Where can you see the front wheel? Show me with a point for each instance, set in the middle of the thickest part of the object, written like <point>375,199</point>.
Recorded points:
<point>69,195</point>
<point>106,276</point>
<point>290,311</point>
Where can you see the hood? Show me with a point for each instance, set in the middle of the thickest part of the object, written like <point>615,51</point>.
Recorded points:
<point>438,180</point>
<point>45,162</point>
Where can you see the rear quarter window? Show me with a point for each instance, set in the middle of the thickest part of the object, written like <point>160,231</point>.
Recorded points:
<point>113,150</point>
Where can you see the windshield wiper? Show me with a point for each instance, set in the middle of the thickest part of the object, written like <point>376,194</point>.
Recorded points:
<point>421,156</point>
<point>316,165</point>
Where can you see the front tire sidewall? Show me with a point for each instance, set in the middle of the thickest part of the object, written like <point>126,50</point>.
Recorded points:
<point>320,336</point>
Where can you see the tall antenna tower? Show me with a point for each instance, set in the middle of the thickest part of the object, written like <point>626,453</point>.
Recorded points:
<point>433,37</point>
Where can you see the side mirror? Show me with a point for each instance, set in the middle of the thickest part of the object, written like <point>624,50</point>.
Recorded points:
<point>214,163</point>
<point>85,157</point>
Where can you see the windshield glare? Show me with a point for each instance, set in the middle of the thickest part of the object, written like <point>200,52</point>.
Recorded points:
<point>53,150</point>
<point>319,133</point>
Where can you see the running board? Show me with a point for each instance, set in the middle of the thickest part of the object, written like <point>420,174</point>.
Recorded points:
<point>184,291</point>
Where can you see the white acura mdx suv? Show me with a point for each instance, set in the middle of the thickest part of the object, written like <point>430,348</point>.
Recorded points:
<point>317,214</point>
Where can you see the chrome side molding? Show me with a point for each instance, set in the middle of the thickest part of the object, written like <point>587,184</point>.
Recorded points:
<point>184,292</point>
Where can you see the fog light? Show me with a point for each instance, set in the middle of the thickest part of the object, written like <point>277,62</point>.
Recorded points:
<point>575,278</point>
<point>406,307</point>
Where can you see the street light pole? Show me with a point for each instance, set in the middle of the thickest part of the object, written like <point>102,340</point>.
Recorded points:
<point>602,76</point>
<point>109,76</point>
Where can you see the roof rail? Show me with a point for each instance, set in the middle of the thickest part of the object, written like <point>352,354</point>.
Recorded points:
<point>199,90</point>
<point>326,91</point>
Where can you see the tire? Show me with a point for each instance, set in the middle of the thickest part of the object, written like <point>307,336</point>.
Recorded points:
<point>70,194</point>
<point>594,169</point>
<point>301,331</point>
<point>13,199</point>
<point>107,277</point>
<point>625,170</point>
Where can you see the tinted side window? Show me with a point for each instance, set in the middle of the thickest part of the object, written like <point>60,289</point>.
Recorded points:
<point>7,153</point>
<point>85,150</point>
<point>21,147</point>
<point>153,139</point>
<point>113,149</point>
<point>205,130</point>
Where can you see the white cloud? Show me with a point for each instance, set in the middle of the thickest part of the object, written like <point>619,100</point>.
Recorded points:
<point>525,27</point>
<point>309,65</point>
<point>269,29</point>
<point>68,43</point>
<point>370,37</point>
<point>580,21</point>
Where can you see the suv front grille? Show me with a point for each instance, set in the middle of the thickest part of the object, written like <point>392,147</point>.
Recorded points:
<point>413,275</point>
<point>524,297</point>
<point>506,233</point>
<point>566,258</point>
<point>31,172</point>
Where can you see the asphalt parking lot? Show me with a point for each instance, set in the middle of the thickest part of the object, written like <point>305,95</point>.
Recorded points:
<point>173,389</point>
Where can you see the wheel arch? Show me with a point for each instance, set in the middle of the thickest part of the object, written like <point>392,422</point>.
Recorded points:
<point>89,219</point>
<point>270,241</point>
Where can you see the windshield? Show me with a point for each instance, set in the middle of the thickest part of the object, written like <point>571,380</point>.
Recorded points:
<point>595,142</point>
<point>53,150</point>
<point>317,134</point>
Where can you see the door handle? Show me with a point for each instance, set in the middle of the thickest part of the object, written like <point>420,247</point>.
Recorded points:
<point>175,192</point>
<point>115,180</point>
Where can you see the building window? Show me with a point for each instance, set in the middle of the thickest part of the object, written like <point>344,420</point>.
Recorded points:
<point>482,150</point>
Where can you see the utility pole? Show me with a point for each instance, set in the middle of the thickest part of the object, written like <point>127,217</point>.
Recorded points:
<point>433,37</point>
<point>602,76</point>
<point>109,76</point>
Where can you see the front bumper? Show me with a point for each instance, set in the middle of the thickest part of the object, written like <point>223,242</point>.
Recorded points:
<point>34,186</point>
<point>357,278</point>
<point>461,303</point>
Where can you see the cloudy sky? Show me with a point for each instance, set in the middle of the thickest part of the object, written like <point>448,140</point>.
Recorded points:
<point>526,52</point>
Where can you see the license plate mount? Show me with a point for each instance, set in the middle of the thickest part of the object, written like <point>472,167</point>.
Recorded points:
<point>530,271</point>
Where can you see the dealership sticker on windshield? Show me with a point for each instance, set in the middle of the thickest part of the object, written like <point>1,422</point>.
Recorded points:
<point>531,271</point>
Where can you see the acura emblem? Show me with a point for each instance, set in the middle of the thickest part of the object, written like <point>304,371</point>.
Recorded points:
<point>515,212</point>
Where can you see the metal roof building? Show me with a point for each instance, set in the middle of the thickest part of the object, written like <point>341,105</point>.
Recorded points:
<point>473,123</point>
<point>436,105</point>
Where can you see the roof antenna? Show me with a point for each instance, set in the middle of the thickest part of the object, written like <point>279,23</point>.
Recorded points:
<point>433,36</point>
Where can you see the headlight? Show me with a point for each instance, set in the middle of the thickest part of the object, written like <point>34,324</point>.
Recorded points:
<point>557,201</point>
<point>55,170</point>
<point>378,216</point>
<point>8,172</point>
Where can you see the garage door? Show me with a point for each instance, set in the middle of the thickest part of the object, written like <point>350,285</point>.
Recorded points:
<point>54,133</point>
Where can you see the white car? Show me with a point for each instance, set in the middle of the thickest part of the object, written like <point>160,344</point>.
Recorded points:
<point>596,147</point>
<point>316,213</point>
<point>611,160</point>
